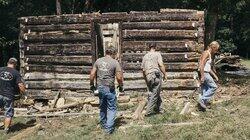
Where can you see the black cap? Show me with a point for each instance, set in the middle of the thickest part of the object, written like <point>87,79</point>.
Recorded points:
<point>152,45</point>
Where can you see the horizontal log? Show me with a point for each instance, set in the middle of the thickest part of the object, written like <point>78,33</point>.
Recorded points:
<point>58,69</point>
<point>55,19</point>
<point>171,16</point>
<point>168,10</point>
<point>162,34</point>
<point>167,57</point>
<point>56,37</point>
<point>163,46</point>
<point>65,60</point>
<point>170,75</point>
<point>174,84</point>
<point>60,27</point>
<point>169,25</point>
<point>170,67</point>
<point>57,85</point>
<point>58,49</point>
<point>50,76</point>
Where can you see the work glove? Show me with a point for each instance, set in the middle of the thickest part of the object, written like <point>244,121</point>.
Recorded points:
<point>94,90</point>
<point>120,88</point>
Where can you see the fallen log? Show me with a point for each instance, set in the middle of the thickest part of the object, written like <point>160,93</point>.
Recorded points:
<point>170,25</point>
<point>58,69</point>
<point>74,104</point>
<point>163,46</point>
<point>185,109</point>
<point>57,60</point>
<point>167,57</point>
<point>58,49</point>
<point>55,99</point>
<point>162,34</point>
<point>25,133</point>
<point>59,27</point>
<point>138,112</point>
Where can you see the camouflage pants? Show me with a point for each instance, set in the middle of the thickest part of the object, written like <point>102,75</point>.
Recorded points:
<point>154,86</point>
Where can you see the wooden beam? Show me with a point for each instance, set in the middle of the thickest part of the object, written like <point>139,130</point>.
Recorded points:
<point>163,46</point>
<point>57,49</point>
<point>58,69</point>
<point>25,133</point>
<point>177,67</point>
<point>169,25</point>
<point>64,60</point>
<point>59,27</point>
<point>162,34</point>
<point>167,57</point>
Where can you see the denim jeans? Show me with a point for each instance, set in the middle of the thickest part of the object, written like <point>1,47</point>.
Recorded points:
<point>154,99</point>
<point>7,104</point>
<point>108,108</point>
<point>208,88</point>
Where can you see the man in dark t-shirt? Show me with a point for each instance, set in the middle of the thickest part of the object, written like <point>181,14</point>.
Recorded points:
<point>11,83</point>
<point>106,69</point>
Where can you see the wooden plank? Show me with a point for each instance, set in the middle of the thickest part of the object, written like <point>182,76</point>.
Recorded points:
<point>171,84</point>
<point>58,69</point>
<point>170,67</point>
<point>56,84</point>
<point>55,37</point>
<point>54,19</point>
<point>168,10</point>
<point>60,27</point>
<point>50,76</point>
<point>169,25</point>
<point>163,46</point>
<point>167,57</point>
<point>58,49</point>
<point>26,132</point>
<point>57,60</point>
<point>163,34</point>
<point>170,75</point>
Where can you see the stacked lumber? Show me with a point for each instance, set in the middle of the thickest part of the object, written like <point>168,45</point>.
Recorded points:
<point>178,35</point>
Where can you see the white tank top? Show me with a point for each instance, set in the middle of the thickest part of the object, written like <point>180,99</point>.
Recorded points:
<point>207,67</point>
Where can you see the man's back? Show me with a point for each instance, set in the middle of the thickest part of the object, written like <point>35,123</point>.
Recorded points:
<point>106,70</point>
<point>151,61</point>
<point>9,79</point>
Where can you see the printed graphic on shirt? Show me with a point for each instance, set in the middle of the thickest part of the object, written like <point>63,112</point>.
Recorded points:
<point>6,76</point>
<point>104,66</point>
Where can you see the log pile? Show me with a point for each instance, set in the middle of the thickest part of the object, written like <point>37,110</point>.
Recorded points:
<point>57,52</point>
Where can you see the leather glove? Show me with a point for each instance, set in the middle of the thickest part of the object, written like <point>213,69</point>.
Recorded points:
<point>92,88</point>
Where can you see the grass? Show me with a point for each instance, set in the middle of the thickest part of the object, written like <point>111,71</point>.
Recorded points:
<point>246,62</point>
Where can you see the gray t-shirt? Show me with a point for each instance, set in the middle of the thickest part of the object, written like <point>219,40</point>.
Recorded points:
<point>151,61</point>
<point>106,71</point>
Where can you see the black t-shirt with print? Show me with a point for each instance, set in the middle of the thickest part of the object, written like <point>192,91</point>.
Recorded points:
<point>9,80</point>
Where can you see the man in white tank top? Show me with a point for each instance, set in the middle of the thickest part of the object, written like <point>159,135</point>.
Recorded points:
<point>208,86</point>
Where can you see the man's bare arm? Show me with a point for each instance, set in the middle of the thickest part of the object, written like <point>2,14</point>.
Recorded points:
<point>163,70</point>
<point>21,87</point>
<point>119,77</point>
<point>92,76</point>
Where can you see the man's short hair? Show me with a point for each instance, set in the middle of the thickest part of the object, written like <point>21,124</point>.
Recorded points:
<point>12,61</point>
<point>152,45</point>
<point>111,50</point>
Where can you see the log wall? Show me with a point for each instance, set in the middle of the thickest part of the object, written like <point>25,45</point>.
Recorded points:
<point>57,52</point>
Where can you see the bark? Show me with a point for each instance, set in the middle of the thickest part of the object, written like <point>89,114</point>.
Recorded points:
<point>58,7</point>
<point>167,57</point>
<point>162,34</point>
<point>58,69</point>
<point>57,60</point>
<point>58,49</point>
<point>170,25</point>
<point>163,46</point>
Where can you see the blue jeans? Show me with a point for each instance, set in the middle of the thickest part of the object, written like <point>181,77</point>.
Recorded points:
<point>7,104</point>
<point>108,108</point>
<point>208,88</point>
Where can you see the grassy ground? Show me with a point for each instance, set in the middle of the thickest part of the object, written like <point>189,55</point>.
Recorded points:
<point>246,62</point>
<point>228,119</point>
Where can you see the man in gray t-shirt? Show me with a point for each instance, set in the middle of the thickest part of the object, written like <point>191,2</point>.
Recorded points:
<point>153,68</point>
<point>106,69</point>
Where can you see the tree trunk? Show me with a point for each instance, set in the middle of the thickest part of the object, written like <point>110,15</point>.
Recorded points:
<point>58,7</point>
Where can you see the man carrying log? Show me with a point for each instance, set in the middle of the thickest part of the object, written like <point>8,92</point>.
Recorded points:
<point>11,83</point>
<point>208,86</point>
<point>153,72</point>
<point>106,69</point>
